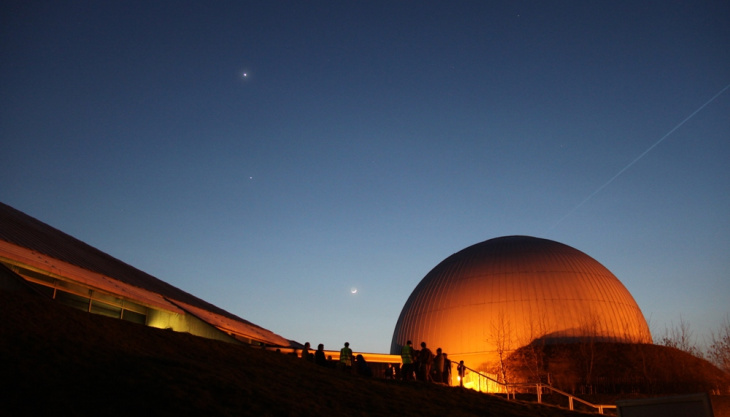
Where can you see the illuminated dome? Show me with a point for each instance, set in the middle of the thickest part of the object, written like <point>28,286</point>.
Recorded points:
<point>504,293</point>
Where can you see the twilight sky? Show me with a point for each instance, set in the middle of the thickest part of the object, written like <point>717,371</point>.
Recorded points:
<point>368,141</point>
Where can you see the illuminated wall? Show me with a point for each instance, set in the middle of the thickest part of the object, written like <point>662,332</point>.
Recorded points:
<point>97,302</point>
<point>501,294</point>
<point>184,323</point>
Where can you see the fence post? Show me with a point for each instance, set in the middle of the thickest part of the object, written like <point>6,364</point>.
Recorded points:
<point>570,402</point>
<point>539,393</point>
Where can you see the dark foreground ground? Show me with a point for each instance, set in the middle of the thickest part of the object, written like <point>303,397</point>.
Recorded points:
<point>59,361</point>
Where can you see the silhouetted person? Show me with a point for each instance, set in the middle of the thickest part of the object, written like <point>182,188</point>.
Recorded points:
<point>362,367</point>
<point>346,357</point>
<point>447,370</point>
<point>438,366</point>
<point>462,371</point>
<point>319,357</point>
<point>390,372</point>
<point>406,356</point>
<point>305,352</point>
<point>425,360</point>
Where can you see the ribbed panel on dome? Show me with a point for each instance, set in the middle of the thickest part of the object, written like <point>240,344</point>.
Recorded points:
<point>511,291</point>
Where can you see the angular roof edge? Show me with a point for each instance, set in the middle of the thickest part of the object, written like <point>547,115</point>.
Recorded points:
<point>43,241</point>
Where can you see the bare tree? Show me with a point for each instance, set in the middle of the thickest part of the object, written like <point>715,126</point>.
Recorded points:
<point>534,347</point>
<point>502,336</point>
<point>719,349</point>
<point>526,353</point>
<point>682,338</point>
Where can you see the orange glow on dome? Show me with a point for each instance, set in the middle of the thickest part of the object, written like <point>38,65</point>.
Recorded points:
<point>504,293</point>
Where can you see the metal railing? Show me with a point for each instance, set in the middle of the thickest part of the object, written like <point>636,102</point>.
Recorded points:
<point>512,389</point>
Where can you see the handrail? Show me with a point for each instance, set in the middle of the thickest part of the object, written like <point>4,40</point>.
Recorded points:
<point>383,358</point>
<point>539,387</point>
<point>572,398</point>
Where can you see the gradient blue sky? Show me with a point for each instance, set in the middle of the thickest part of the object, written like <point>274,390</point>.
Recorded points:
<point>371,140</point>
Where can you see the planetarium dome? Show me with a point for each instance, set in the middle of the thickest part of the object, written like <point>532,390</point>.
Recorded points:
<point>507,292</point>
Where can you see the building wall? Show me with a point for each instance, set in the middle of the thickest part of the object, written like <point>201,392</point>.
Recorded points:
<point>185,323</point>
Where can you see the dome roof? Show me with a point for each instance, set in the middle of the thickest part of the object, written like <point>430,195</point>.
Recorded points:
<point>507,292</point>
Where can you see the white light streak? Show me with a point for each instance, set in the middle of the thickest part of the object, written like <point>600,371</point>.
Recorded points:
<point>598,190</point>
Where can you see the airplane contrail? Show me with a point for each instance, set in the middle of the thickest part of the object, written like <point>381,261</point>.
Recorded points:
<point>639,157</point>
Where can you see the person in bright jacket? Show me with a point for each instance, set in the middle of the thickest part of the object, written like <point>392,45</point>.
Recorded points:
<point>406,355</point>
<point>346,357</point>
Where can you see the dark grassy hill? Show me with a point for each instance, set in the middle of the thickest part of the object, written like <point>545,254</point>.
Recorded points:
<point>59,361</point>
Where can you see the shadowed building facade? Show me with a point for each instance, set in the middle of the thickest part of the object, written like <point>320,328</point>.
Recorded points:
<point>73,273</point>
<point>496,296</point>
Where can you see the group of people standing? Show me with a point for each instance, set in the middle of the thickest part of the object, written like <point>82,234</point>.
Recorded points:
<point>317,357</point>
<point>345,363</point>
<point>423,365</point>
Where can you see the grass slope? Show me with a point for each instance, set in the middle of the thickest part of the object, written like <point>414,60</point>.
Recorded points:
<point>59,361</point>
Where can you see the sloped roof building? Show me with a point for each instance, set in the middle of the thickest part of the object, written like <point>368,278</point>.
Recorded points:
<point>79,275</point>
